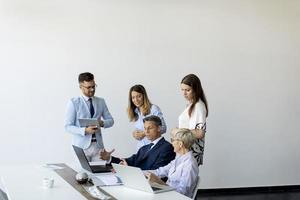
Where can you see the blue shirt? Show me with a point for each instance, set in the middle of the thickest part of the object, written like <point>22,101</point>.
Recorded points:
<point>182,173</point>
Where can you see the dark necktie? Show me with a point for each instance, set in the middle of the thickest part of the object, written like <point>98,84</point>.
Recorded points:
<point>92,110</point>
<point>149,147</point>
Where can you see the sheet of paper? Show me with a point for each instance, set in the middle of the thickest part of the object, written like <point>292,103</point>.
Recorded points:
<point>100,162</point>
<point>51,166</point>
<point>106,179</point>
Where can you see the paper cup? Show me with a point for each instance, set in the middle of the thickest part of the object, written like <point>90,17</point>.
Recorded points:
<point>48,182</point>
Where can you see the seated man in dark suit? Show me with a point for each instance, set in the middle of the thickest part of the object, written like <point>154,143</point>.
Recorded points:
<point>149,157</point>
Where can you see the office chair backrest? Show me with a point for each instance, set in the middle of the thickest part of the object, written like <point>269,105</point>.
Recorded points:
<point>196,187</point>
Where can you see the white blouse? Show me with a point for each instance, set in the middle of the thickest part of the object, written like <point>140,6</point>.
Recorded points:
<point>196,121</point>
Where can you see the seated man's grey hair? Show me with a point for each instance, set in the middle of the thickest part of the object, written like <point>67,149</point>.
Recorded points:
<point>153,118</point>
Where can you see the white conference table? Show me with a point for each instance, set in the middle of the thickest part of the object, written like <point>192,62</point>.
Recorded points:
<point>26,182</point>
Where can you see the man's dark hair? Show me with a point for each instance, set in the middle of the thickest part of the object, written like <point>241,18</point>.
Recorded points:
<point>86,76</point>
<point>153,118</point>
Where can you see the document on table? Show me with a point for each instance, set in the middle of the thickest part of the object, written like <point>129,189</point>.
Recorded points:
<point>100,162</point>
<point>52,166</point>
<point>106,180</point>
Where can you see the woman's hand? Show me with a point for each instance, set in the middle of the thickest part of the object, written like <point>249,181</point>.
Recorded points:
<point>138,135</point>
<point>199,133</point>
<point>153,178</point>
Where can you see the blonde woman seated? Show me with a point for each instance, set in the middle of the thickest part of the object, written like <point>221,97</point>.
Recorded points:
<point>183,171</point>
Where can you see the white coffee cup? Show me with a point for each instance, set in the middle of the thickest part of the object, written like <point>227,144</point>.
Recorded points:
<point>48,182</point>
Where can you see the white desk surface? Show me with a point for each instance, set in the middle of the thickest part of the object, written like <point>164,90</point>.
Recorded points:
<point>25,182</point>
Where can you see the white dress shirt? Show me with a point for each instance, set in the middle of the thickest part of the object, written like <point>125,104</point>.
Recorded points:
<point>87,101</point>
<point>154,142</point>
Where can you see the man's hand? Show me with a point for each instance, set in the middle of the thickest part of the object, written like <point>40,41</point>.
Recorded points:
<point>105,155</point>
<point>91,129</point>
<point>123,162</point>
<point>101,123</point>
<point>139,135</point>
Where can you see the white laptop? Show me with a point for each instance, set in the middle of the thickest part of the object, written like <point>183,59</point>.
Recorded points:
<point>134,178</point>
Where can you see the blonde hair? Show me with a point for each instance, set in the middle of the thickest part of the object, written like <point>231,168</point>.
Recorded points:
<point>186,136</point>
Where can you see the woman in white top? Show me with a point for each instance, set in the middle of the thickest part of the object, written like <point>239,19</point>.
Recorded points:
<point>139,107</point>
<point>195,114</point>
<point>182,172</point>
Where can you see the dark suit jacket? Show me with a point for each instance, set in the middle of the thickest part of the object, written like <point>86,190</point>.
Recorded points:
<point>160,155</point>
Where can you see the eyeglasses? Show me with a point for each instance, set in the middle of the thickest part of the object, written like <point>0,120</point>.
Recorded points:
<point>90,87</point>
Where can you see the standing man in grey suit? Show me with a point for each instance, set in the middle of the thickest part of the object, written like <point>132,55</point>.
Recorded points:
<point>87,106</point>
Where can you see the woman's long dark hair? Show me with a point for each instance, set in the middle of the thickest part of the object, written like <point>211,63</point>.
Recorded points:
<point>194,82</point>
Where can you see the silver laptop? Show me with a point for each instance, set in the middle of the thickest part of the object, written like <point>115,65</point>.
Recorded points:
<point>86,165</point>
<point>134,178</point>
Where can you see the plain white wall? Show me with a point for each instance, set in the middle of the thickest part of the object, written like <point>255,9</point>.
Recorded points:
<point>245,52</point>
